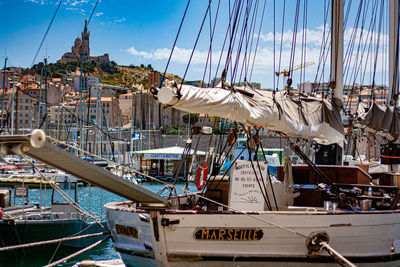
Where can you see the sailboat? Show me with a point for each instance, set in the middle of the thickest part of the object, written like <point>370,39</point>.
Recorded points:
<point>248,218</point>
<point>23,224</point>
<point>251,220</point>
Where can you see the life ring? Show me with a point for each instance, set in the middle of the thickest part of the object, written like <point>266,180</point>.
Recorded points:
<point>201,175</point>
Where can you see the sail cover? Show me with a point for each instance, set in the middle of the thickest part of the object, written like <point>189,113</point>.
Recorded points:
<point>295,115</point>
<point>380,119</point>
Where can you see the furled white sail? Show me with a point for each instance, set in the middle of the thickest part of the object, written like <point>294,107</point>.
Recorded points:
<point>287,112</point>
<point>380,119</point>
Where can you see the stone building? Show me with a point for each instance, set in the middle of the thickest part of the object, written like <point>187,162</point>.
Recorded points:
<point>81,48</point>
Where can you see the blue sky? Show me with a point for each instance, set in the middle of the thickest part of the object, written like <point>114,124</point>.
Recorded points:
<point>142,32</point>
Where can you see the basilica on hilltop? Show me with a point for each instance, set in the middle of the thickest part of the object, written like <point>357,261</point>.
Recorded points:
<point>80,49</point>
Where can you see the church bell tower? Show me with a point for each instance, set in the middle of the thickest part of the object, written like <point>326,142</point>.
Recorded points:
<point>85,49</point>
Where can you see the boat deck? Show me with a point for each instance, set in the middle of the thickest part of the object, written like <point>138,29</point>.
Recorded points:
<point>17,212</point>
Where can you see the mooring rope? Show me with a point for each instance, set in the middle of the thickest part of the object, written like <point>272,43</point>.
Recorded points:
<point>48,242</point>
<point>336,255</point>
<point>77,253</point>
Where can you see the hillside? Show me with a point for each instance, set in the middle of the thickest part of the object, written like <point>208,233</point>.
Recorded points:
<point>124,76</point>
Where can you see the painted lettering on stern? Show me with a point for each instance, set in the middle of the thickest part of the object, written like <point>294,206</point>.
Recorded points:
<point>126,230</point>
<point>229,234</point>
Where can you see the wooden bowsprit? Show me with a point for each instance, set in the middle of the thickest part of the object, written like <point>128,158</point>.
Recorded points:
<point>37,146</point>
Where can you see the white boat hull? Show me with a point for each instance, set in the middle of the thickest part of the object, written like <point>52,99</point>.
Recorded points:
<point>364,238</point>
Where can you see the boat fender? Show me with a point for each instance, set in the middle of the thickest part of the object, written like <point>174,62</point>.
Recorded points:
<point>1,213</point>
<point>201,175</point>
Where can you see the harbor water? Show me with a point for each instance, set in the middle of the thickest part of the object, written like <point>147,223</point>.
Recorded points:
<point>104,251</point>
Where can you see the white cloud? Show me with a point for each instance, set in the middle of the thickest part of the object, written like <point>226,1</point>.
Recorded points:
<point>134,52</point>
<point>77,2</point>
<point>71,3</point>
<point>77,10</point>
<point>34,1</point>
<point>180,55</point>
<point>265,65</point>
<point>119,20</point>
<point>99,14</point>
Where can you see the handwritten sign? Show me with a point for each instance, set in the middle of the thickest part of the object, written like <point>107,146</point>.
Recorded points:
<point>229,234</point>
<point>245,193</point>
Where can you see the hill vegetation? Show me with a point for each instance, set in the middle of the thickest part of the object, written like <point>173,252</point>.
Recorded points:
<point>134,77</point>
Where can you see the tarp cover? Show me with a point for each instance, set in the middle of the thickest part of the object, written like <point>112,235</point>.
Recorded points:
<point>380,119</point>
<point>290,113</point>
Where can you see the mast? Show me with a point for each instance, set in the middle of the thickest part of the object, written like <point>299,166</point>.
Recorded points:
<point>59,111</point>
<point>337,53</point>
<point>80,117</point>
<point>12,106</point>
<point>393,51</point>
<point>132,123</point>
<point>4,91</point>
<point>40,99</point>
<point>45,94</point>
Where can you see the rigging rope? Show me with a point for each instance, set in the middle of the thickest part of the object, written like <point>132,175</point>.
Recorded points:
<point>209,55</point>
<point>294,38</point>
<point>323,50</point>
<point>173,47</point>
<point>195,44</point>
<point>377,50</point>
<point>91,14</point>
<point>258,38</point>
<point>47,31</point>
<point>280,50</point>
<point>64,195</point>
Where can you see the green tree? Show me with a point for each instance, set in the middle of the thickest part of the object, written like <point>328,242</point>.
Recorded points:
<point>193,118</point>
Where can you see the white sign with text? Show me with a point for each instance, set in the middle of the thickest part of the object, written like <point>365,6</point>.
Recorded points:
<point>245,193</point>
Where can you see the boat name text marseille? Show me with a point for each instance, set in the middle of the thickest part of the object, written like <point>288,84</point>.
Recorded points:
<point>235,234</point>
